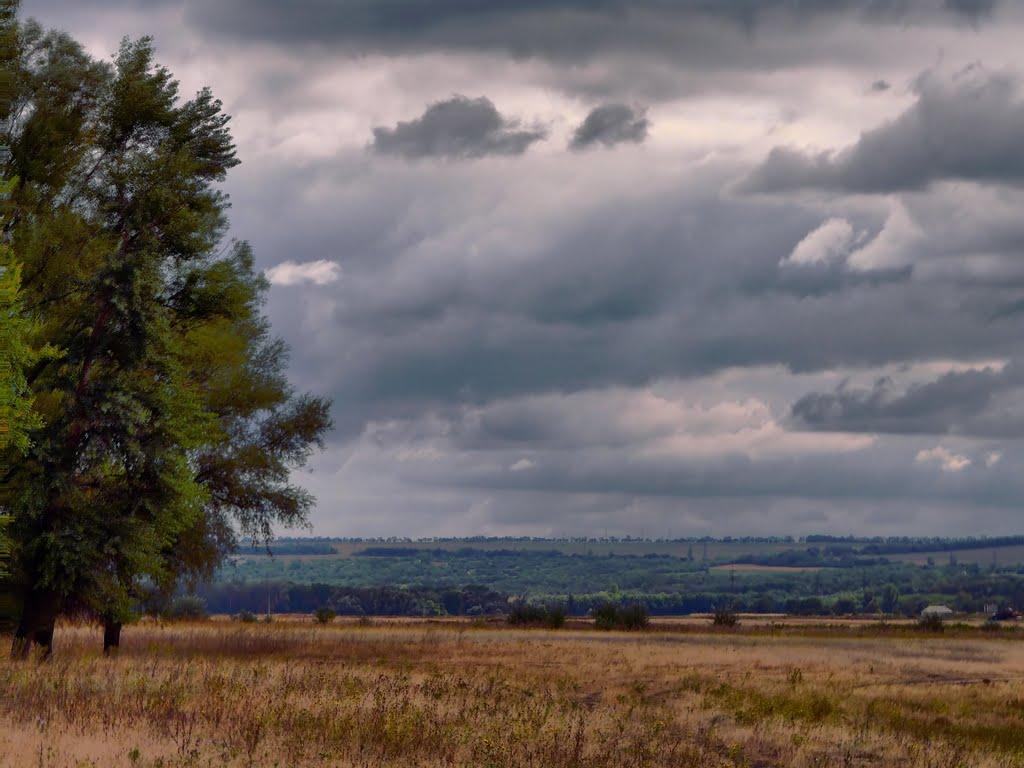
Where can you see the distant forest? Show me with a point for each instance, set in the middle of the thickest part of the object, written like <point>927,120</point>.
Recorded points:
<point>815,575</point>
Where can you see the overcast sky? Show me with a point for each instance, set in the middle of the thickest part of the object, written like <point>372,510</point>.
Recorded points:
<point>658,267</point>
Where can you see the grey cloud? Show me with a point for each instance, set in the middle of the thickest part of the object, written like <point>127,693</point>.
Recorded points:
<point>475,22</point>
<point>611,124</point>
<point>978,403</point>
<point>968,129</point>
<point>442,305</point>
<point>487,309</point>
<point>591,454</point>
<point>972,8</point>
<point>704,33</point>
<point>457,128</point>
<point>880,86</point>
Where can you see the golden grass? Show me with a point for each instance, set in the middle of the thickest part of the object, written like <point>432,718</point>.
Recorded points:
<point>408,694</point>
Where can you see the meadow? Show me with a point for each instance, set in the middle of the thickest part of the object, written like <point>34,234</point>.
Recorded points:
<point>460,693</point>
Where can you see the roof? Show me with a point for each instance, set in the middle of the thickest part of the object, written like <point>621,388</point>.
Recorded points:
<point>936,610</point>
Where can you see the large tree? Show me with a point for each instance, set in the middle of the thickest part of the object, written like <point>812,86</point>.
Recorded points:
<point>168,426</point>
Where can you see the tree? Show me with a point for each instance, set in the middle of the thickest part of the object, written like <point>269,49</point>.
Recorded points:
<point>890,598</point>
<point>263,428</point>
<point>17,418</point>
<point>167,418</point>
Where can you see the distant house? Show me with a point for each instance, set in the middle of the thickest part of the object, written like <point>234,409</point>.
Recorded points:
<point>936,610</point>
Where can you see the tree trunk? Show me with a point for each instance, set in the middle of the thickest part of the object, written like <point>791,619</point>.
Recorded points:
<point>111,637</point>
<point>35,628</point>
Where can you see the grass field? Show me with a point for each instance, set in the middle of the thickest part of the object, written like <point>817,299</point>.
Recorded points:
<point>455,694</point>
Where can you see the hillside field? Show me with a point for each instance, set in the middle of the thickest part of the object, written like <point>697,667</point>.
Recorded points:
<point>455,693</point>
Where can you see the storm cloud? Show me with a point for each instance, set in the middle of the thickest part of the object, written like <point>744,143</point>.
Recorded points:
<point>610,124</point>
<point>457,128</point>
<point>966,129</point>
<point>986,402</point>
<point>795,309</point>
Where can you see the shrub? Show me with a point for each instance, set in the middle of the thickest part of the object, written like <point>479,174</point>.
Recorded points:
<point>525,614</point>
<point>522,613</point>
<point>324,615</point>
<point>725,617</point>
<point>931,622</point>
<point>605,616</point>
<point>611,616</point>
<point>634,617</point>
<point>246,617</point>
<point>554,617</point>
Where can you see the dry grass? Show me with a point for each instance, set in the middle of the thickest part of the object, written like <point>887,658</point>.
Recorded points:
<point>406,694</point>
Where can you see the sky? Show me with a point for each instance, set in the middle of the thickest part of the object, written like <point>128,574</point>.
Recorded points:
<point>649,268</point>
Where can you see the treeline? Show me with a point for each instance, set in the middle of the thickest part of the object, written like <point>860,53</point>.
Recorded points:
<point>827,557</point>
<point>893,590</point>
<point>895,545</point>
<point>461,552</point>
<point>232,598</point>
<point>287,547</point>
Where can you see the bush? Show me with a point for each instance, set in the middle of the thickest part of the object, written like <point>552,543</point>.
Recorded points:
<point>555,617</point>
<point>932,623</point>
<point>605,616</point>
<point>611,616</point>
<point>324,615</point>
<point>725,617</point>
<point>634,617</point>
<point>524,614</point>
<point>246,617</point>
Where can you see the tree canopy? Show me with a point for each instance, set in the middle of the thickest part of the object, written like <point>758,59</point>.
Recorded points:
<point>162,423</point>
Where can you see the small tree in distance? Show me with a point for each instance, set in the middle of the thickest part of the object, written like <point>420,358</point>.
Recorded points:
<point>324,615</point>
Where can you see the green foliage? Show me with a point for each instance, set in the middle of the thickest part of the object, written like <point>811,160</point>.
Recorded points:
<point>17,418</point>
<point>165,424</point>
<point>605,616</point>
<point>5,546</point>
<point>246,617</point>
<point>611,616</point>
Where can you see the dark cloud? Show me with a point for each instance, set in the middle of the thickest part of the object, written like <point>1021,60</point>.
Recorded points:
<point>969,129</point>
<point>456,292</point>
<point>480,23</point>
<point>611,124</point>
<point>637,448</point>
<point>972,8</point>
<point>979,403</point>
<point>457,128</point>
<point>576,340</point>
